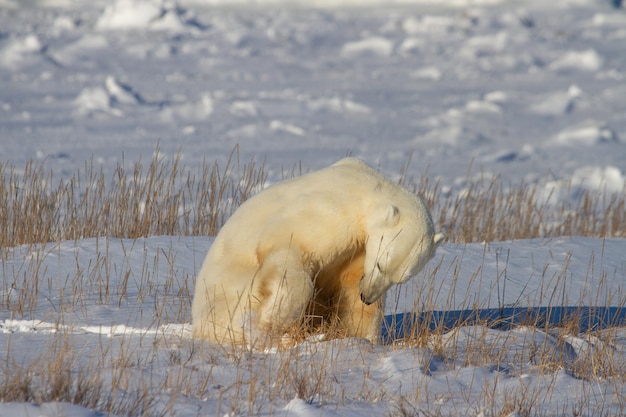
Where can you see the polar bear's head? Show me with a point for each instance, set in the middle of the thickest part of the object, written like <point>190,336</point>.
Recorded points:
<point>400,242</point>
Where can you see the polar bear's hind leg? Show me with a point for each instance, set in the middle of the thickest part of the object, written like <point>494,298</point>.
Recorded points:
<point>284,290</point>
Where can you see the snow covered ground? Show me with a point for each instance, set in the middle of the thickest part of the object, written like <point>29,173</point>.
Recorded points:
<point>120,308</point>
<point>530,91</point>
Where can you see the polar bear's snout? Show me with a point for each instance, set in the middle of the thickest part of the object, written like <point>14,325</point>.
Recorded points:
<point>364,300</point>
<point>373,286</point>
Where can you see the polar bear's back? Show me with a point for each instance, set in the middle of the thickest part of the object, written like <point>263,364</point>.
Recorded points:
<point>310,211</point>
<point>336,191</point>
<point>311,205</point>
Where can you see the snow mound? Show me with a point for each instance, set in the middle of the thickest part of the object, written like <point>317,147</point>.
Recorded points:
<point>299,407</point>
<point>588,60</point>
<point>480,46</point>
<point>430,73</point>
<point>482,106</point>
<point>496,97</point>
<point>373,46</point>
<point>607,179</point>
<point>194,110</point>
<point>336,105</point>
<point>557,103</point>
<point>107,99</point>
<point>280,126</point>
<point>20,51</point>
<point>144,14</point>
<point>64,24</point>
<point>428,24</point>
<point>612,19</point>
<point>585,134</point>
<point>244,108</point>
<point>122,93</point>
<point>449,134</point>
<point>596,180</point>
<point>93,100</point>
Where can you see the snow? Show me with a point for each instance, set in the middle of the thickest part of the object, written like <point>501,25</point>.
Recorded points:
<point>588,60</point>
<point>609,178</point>
<point>374,45</point>
<point>530,91</point>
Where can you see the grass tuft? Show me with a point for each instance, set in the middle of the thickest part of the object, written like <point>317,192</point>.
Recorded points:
<point>163,197</point>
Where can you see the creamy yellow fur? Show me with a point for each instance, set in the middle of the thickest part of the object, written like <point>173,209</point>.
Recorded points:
<point>322,247</point>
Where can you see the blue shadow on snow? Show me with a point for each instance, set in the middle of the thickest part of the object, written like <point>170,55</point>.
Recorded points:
<point>397,326</point>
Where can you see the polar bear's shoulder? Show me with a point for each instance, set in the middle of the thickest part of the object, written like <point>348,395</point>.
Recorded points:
<point>352,162</point>
<point>358,165</point>
<point>361,169</point>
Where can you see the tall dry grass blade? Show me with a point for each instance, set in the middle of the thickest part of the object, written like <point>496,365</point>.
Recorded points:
<point>166,198</point>
<point>162,198</point>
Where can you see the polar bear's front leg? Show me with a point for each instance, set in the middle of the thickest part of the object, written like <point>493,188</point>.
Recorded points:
<point>283,290</point>
<point>358,318</point>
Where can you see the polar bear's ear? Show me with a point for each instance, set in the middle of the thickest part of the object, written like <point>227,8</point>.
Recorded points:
<point>392,215</point>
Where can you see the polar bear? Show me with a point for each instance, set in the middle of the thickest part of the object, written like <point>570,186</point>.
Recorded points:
<point>320,248</point>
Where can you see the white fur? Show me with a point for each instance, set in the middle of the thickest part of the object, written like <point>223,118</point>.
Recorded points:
<point>343,234</point>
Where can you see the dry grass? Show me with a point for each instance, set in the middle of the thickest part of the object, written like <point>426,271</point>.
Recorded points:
<point>57,375</point>
<point>160,198</point>
<point>491,210</point>
<point>164,197</point>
